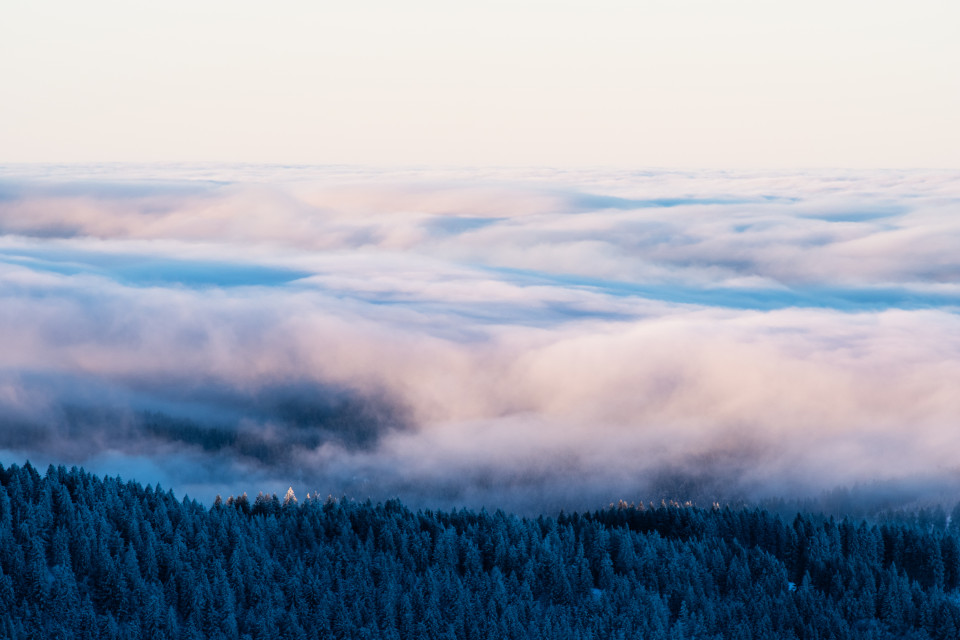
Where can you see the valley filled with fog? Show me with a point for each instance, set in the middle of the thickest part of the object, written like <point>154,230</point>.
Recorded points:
<point>535,340</point>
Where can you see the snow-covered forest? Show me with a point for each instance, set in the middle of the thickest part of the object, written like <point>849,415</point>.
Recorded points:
<point>89,557</point>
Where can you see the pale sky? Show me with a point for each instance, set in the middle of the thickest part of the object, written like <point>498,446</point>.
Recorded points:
<point>679,83</point>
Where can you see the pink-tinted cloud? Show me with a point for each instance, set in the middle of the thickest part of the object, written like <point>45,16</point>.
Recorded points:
<point>573,338</point>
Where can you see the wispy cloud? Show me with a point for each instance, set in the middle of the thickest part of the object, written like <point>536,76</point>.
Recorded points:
<point>532,338</point>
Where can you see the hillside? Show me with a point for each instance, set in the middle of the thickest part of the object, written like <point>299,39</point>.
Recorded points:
<point>88,557</point>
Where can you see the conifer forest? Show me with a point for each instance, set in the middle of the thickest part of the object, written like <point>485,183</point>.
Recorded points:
<point>88,557</point>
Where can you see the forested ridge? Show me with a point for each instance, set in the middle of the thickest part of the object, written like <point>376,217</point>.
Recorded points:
<point>85,557</point>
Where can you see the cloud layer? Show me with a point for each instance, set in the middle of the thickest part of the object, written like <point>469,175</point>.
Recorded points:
<point>534,340</point>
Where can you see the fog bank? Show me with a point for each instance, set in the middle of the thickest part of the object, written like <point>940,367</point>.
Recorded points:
<point>528,339</point>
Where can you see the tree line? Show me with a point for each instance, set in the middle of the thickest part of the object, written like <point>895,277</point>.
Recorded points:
<point>88,557</point>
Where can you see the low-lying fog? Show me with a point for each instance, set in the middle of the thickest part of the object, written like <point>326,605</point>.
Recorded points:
<point>527,340</point>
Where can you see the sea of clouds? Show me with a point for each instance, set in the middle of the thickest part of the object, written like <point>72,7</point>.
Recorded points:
<point>526,339</point>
